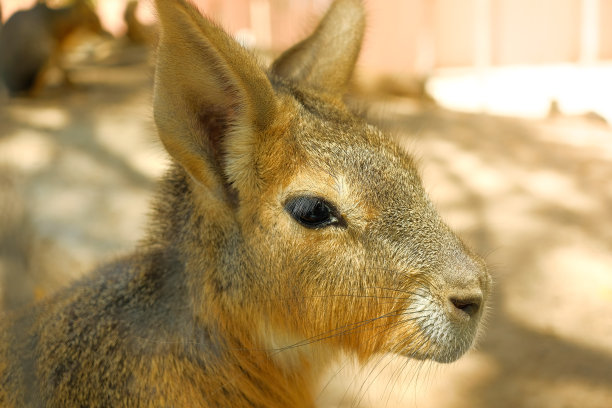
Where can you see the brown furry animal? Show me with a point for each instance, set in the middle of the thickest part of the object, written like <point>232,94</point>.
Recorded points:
<point>287,231</point>
<point>33,39</point>
<point>136,31</point>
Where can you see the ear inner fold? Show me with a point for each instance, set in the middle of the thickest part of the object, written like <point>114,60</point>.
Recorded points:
<point>208,89</point>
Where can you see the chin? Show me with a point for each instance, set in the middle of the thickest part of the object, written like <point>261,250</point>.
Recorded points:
<point>437,334</point>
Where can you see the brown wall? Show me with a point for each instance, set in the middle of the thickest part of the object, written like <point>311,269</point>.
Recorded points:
<point>605,31</point>
<point>455,30</point>
<point>415,36</point>
<point>533,32</point>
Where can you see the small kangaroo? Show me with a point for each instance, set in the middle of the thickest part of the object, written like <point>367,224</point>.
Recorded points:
<point>33,39</point>
<point>287,232</point>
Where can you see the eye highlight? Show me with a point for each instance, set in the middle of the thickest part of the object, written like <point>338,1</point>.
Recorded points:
<point>313,212</point>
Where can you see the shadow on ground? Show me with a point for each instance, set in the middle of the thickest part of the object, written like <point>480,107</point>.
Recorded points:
<point>533,197</point>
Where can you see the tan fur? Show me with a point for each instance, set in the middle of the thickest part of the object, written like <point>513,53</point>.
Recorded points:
<point>33,41</point>
<point>230,301</point>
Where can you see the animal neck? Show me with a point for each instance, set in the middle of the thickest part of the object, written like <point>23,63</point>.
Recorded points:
<point>263,379</point>
<point>256,366</point>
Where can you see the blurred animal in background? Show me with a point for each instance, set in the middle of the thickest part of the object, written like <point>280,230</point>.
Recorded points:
<point>33,41</point>
<point>137,32</point>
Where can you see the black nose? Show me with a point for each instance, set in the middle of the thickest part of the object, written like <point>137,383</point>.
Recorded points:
<point>468,305</point>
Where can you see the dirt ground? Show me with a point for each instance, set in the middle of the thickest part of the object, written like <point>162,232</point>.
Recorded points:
<point>77,168</point>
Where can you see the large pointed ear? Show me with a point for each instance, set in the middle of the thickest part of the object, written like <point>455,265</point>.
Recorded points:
<point>211,98</point>
<point>326,59</point>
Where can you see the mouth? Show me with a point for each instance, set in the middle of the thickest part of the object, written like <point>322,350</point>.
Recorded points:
<point>440,332</point>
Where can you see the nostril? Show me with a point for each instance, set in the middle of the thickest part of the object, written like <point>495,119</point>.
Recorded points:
<point>469,306</point>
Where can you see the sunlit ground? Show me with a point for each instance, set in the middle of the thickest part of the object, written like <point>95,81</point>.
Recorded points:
<point>533,196</point>
<point>526,91</point>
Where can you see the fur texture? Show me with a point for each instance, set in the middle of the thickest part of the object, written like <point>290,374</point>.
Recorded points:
<point>230,301</point>
<point>32,40</point>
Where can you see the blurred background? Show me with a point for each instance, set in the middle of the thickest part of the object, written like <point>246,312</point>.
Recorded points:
<point>507,104</point>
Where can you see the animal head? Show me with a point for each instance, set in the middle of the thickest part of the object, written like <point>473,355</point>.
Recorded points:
<point>324,233</point>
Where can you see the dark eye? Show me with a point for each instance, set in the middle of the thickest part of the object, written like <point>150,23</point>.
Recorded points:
<point>313,212</point>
